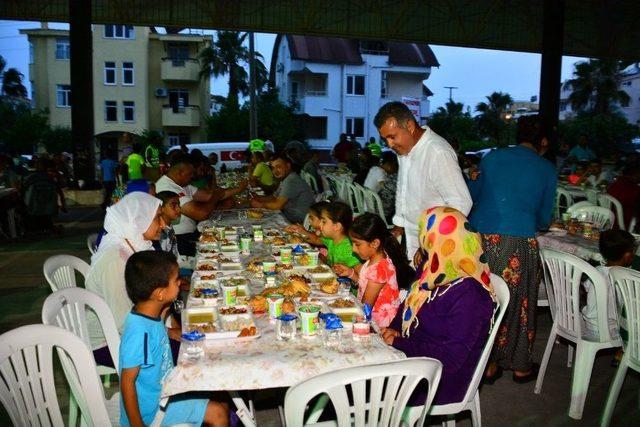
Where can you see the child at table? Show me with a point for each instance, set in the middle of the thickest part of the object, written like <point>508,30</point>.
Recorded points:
<point>313,234</point>
<point>617,248</point>
<point>385,268</point>
<point>170,212</point>
<point>151,279</point>
<point>335,220</point>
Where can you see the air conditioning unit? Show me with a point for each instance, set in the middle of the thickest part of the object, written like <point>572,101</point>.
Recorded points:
<point>161,92</point>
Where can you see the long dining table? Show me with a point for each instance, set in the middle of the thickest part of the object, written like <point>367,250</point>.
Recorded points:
<point>264,362</point>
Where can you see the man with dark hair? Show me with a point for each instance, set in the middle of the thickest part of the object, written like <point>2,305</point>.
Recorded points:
<point>341,149</point>
<point>581,152</point>
<point>293,196</point>
<point>429,174</point>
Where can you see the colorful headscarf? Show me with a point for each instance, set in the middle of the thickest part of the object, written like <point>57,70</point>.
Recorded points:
<point>452,250</point>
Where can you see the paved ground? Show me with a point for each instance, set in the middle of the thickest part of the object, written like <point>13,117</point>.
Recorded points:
<point>23,289</point>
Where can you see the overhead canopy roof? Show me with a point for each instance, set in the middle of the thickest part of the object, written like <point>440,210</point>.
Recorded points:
<point>593,28</point>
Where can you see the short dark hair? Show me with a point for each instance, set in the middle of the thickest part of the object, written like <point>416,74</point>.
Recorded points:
<point>281,156</point>
<point>180,160</point>
<point>529,130</point>
<point>339,212</point>
<point>396,110</point>
<point>390,158</point>
<point>615,243</point>
<point>146,271</point>
<point>165,196</point>
<point>317,208</point>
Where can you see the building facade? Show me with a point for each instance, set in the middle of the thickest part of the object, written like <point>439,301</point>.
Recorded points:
<point>142,80</point>
<point>337,85</point>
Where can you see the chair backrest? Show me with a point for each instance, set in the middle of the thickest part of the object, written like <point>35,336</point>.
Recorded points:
<point>59,270</point>
<point>92,239</point>
<point>501,291</point>
<point>578,205</point>
<point>373,203</point>
<point>592,195</point>
<point>602,217</point>
<point>379,392</point>
<point>563,275</point>
<point>627,285</point>
<point>67,308</point>
<point>309,179</point>
<point>326,186</point>
<point>354,198</point>
<point>27,386</point>
<point>561,193</point>
<point>613,204</point>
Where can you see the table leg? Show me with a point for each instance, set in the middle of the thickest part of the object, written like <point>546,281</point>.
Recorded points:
<point>246,415</point>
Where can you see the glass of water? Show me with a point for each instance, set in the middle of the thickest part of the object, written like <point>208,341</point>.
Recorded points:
<point>242,215</point>
<point>286,327</point>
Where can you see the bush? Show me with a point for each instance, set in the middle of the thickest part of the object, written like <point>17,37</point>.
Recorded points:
<point>604,130</point>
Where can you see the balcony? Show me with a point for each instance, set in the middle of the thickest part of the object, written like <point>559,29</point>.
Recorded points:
<point>187,116</point>
<point>183,70</point>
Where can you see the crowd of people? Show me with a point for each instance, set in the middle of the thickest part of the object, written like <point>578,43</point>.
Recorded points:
<point>427,279</point>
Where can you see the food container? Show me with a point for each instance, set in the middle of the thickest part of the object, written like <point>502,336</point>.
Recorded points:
<point>229,293</point>
<point>566,216</point>
<point>270,282</point>
<point>245,245</point>
<point>275,305</point>
<point>220,232</point>
<point>269,267</point>
<point>587,230</point>
<point>309,319</point>
<point>286,327</point>
<point>258,234</point>
<point>285,256</point>
<point>194,342</point>
<point>313,258</point>
<point>361,329</point>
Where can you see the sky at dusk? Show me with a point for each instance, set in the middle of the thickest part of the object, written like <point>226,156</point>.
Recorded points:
<point>476,72</point>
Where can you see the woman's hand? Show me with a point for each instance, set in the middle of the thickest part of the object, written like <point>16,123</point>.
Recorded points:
<point>388,335</point>
<point>342,270</point>
<point>417,258</point>
<point>174,333</point>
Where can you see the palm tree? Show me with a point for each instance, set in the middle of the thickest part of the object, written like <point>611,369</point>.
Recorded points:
<point>12,83</point>
<point>595,86</point>
<point>451,109</point>
<point>229,57</point>
<point>491,120</point>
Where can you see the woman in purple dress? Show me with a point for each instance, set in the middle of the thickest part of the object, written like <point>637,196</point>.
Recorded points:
<point>447,314</point>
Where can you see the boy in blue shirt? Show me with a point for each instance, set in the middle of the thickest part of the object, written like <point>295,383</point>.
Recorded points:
<point>152,283</point>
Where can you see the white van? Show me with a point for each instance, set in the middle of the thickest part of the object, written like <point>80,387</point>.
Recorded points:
<point>231,154</point>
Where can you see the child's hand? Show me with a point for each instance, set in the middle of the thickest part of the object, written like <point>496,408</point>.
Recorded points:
<point>388,335</point>
<point>342,270</point>
<point>174,333</point>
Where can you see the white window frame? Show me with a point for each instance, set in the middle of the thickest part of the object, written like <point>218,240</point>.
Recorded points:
<point>66,93</point>
<point>32,53</point>
<point>351,87</point>
<point>114,68</point>
<point>133,74</point>
<point>125,107</point>
<point>62,46</point>
<point>123,35</point>
<point>110,106</point>
<point>351,131</point>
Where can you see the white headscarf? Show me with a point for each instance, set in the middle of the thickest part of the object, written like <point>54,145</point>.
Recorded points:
<point>126,222</point>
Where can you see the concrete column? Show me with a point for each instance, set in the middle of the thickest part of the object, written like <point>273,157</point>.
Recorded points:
<point>550,72</point>
<point>80,38</point>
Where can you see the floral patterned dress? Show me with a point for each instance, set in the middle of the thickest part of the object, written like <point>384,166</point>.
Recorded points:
<point>388,301</point>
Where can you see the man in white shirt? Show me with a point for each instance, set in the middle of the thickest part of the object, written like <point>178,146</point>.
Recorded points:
<point>428,175</point>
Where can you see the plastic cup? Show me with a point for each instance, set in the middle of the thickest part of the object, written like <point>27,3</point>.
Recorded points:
<point>313,258</point>
<point>361,329</point>
<point>270,282</point>
<point>275,305</point>
<point>566,216</point>
<point>269,267</point>
<point>229,294</point>
<point>220,232</point>
<point>286,327</point>
<point>245,245</point>
<point>309,319</point>
<point>285,256</point>
<point>258,234</point>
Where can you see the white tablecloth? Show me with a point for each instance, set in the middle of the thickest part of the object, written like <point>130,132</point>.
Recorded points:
<point>572,244</point>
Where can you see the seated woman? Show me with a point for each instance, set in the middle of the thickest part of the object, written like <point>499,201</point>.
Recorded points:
<point>448,311</point>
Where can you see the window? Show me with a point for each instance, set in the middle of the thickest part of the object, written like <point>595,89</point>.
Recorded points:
<point>119,32</point>
<point>109,73</point>
<point>383,85</point>
<point>110,111</point>
<point>294,89</point>
<point>63,48</point>
<point>178,99</point>
<point>355,85</point>
<point>129,111</point>
<point>178,53</point>
<point>179,138</point>
<point>355,126</point>
<point>31,52</point>
<point>315,127</point>
<point>127,73</point>
<point>63,96</point>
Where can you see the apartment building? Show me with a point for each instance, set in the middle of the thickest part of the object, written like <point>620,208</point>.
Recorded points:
<point>338,85</point>
<point>142,80</point>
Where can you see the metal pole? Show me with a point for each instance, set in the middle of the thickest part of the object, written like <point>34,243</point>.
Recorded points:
<point>253,111</point>
<point>451,88</point>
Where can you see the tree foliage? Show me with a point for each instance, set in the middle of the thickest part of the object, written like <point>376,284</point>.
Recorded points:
<point>606,131</point>
<point>491,120</point>
<point>595,86</point>
<point>452,122</point>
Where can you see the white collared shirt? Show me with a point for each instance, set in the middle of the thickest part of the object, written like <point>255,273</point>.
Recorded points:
<point>428,176</point>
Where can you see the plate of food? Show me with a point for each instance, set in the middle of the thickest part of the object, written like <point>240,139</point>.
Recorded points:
<point>341,303</point>
<point>347,315</point>
<point>321,272</point>
<point>255,214</point>
<point>207,265</point>
<point>328,288</point>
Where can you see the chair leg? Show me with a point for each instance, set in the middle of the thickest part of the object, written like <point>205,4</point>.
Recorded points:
<point>106,381</point>
<point>450,421</point>
<point>614,393</point>
<point>73,411</point>
<point>585,355</point>
<point>569,355</point>
<point>476,415</point>
<point>545,360</point>
<point>318,408</point>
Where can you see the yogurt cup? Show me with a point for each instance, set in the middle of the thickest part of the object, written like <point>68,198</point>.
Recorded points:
<point>275,305</point>
<point>269,267</point>
<point>309,319</point>
<point>229,294</point>
<point>313,258</point>
<point>285,256</point>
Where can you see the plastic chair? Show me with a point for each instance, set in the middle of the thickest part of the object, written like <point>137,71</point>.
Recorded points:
<point>380,393</point>
<point>568,200</point>
<point>591,195</point>
<point>27,385</point>
<point>355,199</point>
<point>325,184</point>
<point>471,400</point>
<point>67,309</point>
<point>601,217</point>
<point>310,180</point>
<point>609,202</point>
<point>627,285</point>
<point>59,270</point>
<point>563,275</point>
<point>578,205</point>
<point>373,203</point>
<point>92,240</point>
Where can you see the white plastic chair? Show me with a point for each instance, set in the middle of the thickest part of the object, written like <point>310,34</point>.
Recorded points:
<point>563,274</point>
<point>27,385</point>
<point>591,195</point>
<point>613,204</point>
<point>59,270</point>
<point>471,400</point>
<point>67,309</point>
<point>325,184</point>
<point>354,198</point>
<point>380,393</point>
<point>561,193</point>
<point>310,180</point>
<point>373,203</point>
<point>601,217</point>
<point>578,205</point>
<point>92,239</point>
<point>627,285</point>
